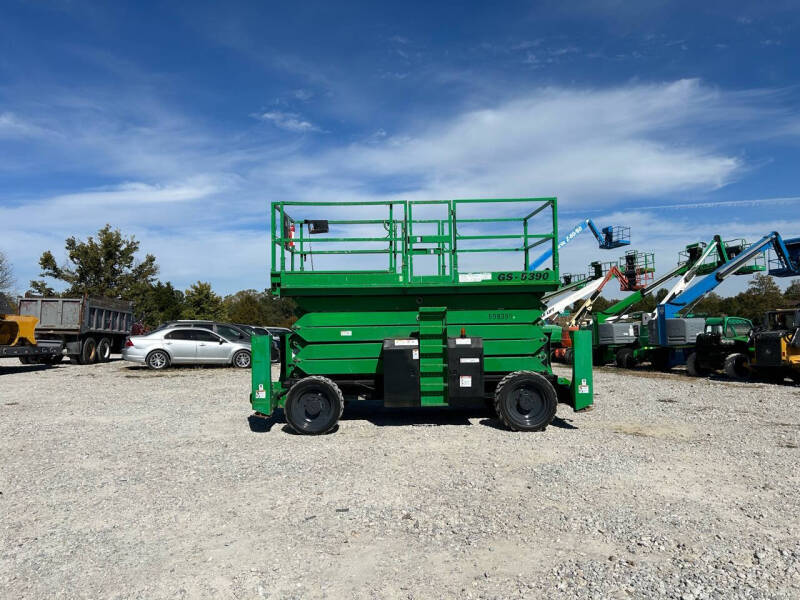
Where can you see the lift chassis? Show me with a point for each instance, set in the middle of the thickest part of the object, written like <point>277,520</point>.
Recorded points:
<point>422,332</point>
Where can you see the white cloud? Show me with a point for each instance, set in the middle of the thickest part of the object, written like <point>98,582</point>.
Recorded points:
<point>12,126</point>
<point>288,121</point>
<point>586,146</point>
<point>198,198</point>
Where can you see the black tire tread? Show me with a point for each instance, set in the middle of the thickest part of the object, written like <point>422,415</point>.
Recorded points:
<point>498,394</point>
<point>691,366</point>
<point>325,381</point>
<point>730,366</point>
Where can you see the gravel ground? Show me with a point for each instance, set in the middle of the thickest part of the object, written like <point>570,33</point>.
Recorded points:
<point>118,482</point>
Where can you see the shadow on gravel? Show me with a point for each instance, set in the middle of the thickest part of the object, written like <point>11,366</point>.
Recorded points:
<point>381,416</point>
<point>25,369</point>
<point>495,423</point>
<point>264,424</point>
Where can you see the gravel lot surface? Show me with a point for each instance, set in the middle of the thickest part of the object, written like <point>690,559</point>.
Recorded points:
<point>118,482</point>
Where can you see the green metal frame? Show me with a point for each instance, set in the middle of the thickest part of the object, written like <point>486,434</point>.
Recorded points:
<point>349,312</point>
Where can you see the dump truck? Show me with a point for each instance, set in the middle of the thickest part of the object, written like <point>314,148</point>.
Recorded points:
<point>407,306</point>
<point>18,338</point>
<point>88,329</point>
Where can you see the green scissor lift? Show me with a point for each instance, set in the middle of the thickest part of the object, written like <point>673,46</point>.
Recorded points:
<point>420,331</point>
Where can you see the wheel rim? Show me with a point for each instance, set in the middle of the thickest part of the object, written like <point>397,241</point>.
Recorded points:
<point>242,360</point>
<point>158,360</point>
<point>312,409</point>
<point>527,405</point>
<point>104,350</point>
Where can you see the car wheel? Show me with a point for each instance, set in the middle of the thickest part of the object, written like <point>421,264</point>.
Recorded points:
<point>241,359</point>
<point>157,359</point>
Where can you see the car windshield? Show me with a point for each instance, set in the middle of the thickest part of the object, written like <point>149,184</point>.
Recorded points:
<point>739,328</point>
<point>233,334</point>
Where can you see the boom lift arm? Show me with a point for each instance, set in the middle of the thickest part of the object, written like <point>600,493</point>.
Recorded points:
<point>587,304</point>
<point>788,264</point>
<point>788,257</point>
<point>608,238</point>
<point>687,269</point>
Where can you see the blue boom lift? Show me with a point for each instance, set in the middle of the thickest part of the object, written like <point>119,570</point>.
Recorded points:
<point>613,236</point>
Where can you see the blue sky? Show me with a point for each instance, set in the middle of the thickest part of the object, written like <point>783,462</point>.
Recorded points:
<point>178,122</point>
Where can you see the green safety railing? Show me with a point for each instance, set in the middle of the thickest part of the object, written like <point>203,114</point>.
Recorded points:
<point>443,238</point>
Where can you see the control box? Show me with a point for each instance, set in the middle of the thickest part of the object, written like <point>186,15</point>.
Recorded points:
<point>400,372</point>
<point>465,368</point>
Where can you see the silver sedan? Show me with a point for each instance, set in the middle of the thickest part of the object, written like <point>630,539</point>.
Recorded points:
<point>185,346</point>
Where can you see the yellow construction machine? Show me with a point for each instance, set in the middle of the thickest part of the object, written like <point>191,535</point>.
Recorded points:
<point>18,338</point>
<point>16,330</point>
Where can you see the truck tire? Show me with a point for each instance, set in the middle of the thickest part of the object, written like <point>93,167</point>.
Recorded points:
<point>737,366</point>
<point>625,358</point>
<point>795,375</point>
<point>54,359</point>
<point>88,353</point>
<point>241,359</point>
<point>157,360</point>
<point>314,405</point>
<point>525,401</point>
<point>25,360</point>
<point>104,350</point>
<point>692,368</point>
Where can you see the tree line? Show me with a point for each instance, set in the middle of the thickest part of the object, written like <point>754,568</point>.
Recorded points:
<point>106,265</point>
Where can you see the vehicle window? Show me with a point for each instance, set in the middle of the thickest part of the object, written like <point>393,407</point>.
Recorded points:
<point>204,336</point>
<point>180,334</point>
<point>229,333</point>
<point>260,331</point>
<point>738,328</point>
<point>713,328</point>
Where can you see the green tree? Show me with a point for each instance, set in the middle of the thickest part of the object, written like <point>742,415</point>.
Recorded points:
<point>280,312</point>
<point>246,307</point>
<point>157,303</point>
<point>792,293</point>
<point>200,302</point>
<point>260,308</point>
<point>102,266</point>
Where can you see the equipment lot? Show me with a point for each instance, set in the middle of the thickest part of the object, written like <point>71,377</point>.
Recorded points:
<point>117,481</point>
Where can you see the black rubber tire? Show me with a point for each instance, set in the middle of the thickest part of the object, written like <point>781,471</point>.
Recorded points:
<point>157,360</point>
<point>25,360</point>
<point>238,359</point>
<point>624,358</point>
<point>88,353</point>
<point>692,368</point>
<point>569,356</point>
<point>795,376</point>
<point>314,405</point>
<point>54,359</point>
<point>525,401</point>
<point>736,366</point>
<point>104,350</point>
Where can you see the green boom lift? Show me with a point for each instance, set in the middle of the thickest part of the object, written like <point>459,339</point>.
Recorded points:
<point>429,328</point>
